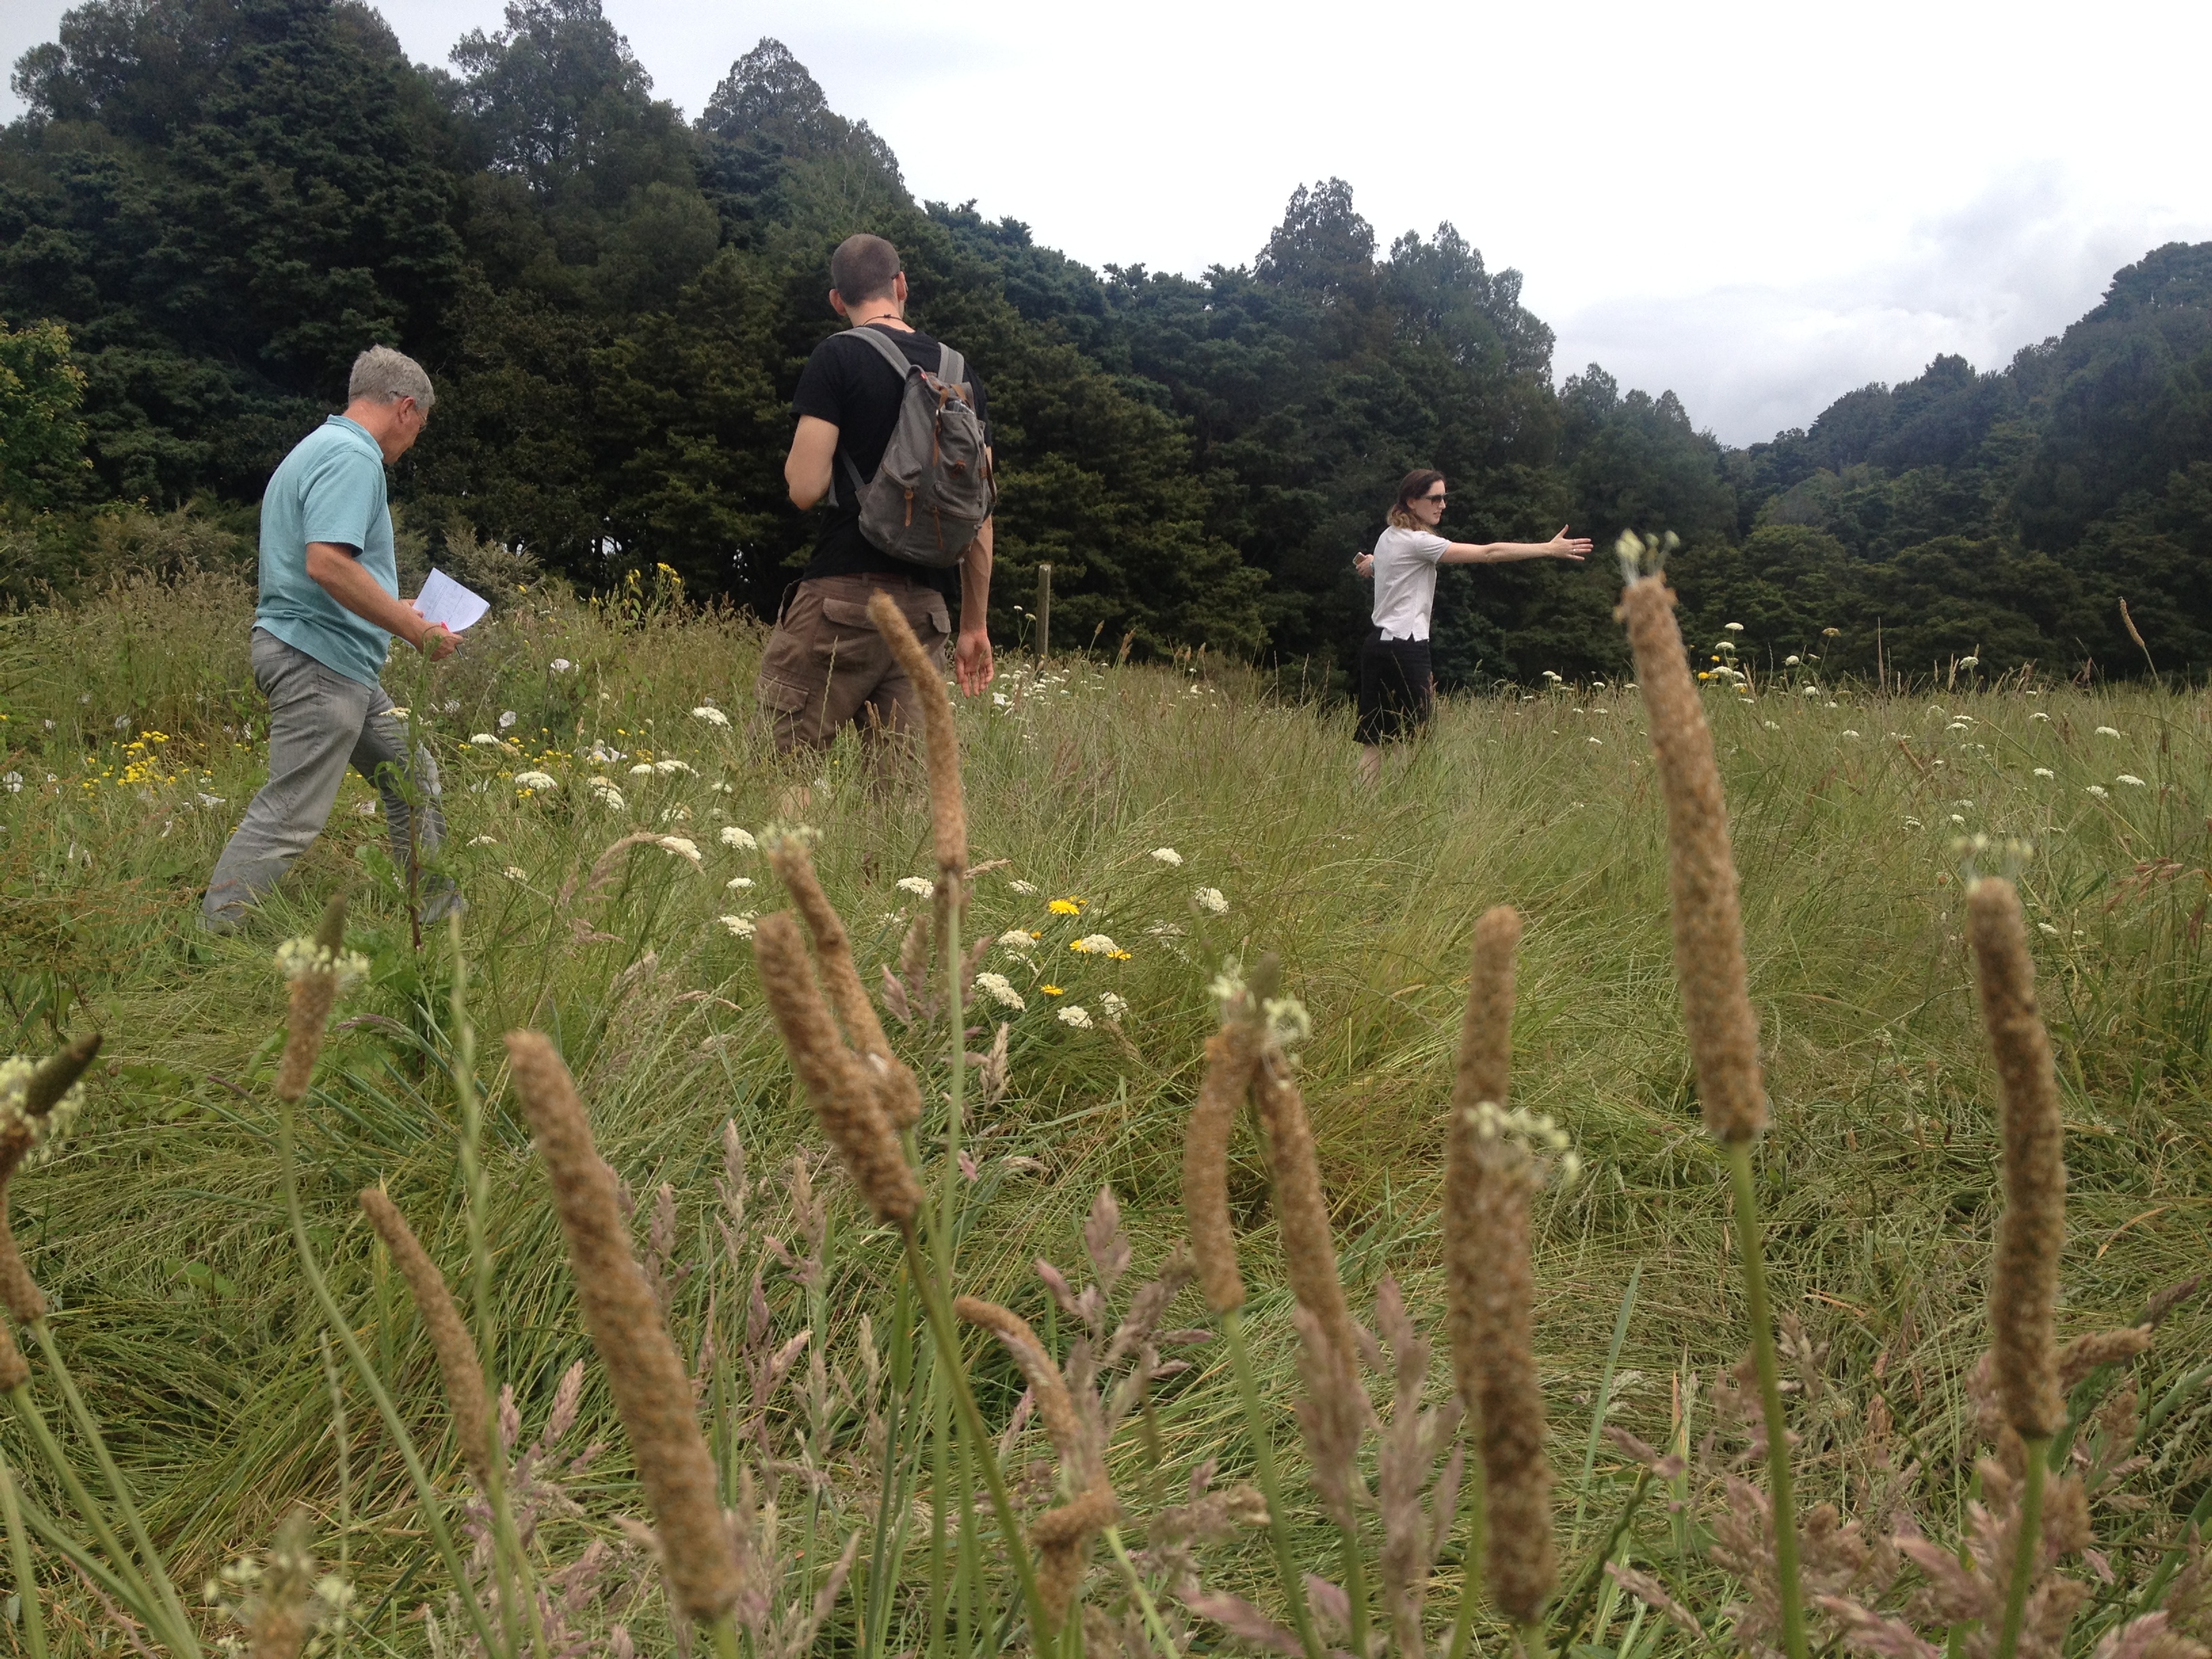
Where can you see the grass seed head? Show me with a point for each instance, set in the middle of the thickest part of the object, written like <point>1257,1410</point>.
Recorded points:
<point>1709,960</point>
<point>1063,1425</point>
<point>284,1615</point>
<point>1231,1053</point>
<point>320,967</point>
<point>1483,1074</point>
<point>652,1389</point>
<point>14,1371</point>
<point>839,1085</point>
<point>1062,1537</point>
<point>833,948</point>
<point>948,806</point>
<point>1510,1400</point>
<point>2024,1271</point>
<point>458,1364</point>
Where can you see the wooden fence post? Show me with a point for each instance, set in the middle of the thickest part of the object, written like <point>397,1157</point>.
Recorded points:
<point>1044,612</point>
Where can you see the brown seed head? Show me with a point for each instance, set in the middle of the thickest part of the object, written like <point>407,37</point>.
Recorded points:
<point>1055,1405</point>
<point>1231,1054</point>
<point>1510,1401</point>
<point>2024,1271</point>
<point>14,1373</point>
<point>948,807</point>
<point>652,1390</point>
<point>1483,1074</point>
<point>313,996</point>
<point>57,1075</point>
<point>458,1365</point>
<point>1709,961</point>
<point>901,1095</point>
<point>282,1614</point>
<point>839,1085</point>
<point>1063,1537</point>
<point>18,1290</point>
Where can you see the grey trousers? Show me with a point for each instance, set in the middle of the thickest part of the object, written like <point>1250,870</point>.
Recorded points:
<point>320,723</point>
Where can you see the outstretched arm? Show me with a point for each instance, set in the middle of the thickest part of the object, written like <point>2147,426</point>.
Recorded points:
<point>1561,546</point>
<point>972,651</point>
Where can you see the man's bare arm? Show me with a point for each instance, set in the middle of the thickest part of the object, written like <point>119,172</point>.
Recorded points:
<point>971,653</point>
<point>806,469</point>
<point>340,574</point>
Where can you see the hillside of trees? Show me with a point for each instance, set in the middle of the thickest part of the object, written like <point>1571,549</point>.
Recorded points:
<point>211,206</point>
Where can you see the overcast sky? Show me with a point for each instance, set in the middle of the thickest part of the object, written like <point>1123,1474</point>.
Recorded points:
<point>1759,206</point>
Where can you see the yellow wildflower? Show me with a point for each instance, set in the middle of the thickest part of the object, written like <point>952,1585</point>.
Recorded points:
<point>1051,990</point>
<point>1067,907</point>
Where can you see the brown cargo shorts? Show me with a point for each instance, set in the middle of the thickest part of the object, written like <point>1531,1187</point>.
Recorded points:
<point>827,667</point>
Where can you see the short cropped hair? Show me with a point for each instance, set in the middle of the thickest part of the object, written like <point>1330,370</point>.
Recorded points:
<point>863,269</point>
<point>382,375</point>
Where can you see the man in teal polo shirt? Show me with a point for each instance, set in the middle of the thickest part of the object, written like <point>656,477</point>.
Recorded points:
<point>330,605</point>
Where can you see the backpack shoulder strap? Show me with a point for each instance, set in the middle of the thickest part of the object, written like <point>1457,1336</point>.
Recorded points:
<point>891,355</point>
<point>951,367</point>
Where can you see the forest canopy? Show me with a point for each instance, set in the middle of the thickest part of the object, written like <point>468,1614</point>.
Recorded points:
<point>211,206</point>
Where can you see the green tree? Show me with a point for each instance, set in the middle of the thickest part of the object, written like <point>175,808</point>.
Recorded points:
<point>42,460</point>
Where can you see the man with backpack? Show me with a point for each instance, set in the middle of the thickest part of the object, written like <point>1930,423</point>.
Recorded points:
<point>893,434</point>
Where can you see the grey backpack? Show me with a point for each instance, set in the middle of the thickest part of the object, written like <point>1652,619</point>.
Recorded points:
<point>934,488</point>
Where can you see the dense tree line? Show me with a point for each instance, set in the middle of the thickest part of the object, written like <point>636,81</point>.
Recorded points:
<point>212,205</point>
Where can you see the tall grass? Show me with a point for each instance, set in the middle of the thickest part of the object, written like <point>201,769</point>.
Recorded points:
<point>159,1233</point>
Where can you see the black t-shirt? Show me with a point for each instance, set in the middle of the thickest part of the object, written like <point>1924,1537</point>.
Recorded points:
<point>848,383</point>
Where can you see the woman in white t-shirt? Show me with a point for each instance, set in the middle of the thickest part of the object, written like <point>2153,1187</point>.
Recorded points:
<point>1397,689</point>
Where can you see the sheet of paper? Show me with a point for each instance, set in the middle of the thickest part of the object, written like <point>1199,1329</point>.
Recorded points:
<point>445,600</point>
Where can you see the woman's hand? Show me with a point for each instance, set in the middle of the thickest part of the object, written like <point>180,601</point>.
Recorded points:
<point>1363,564</point>
<point>1562,547</point>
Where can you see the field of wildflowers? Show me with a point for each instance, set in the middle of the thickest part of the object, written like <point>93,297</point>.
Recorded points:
<point>1149,858</point>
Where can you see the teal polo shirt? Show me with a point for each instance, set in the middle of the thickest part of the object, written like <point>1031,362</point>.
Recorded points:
<point>328,488</point>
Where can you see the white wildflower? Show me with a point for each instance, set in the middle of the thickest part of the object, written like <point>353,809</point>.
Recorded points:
<point>741,923</point>
<point>1117,1008</point>
<point>1166,855</point>
<point>603,755</point>
<point>205,799</point>
<point>1811,691</point>
<point>298,958</point>
<point>1015,939</point>
<point>1791,661</point>
<point>1076,1015</point>
<point>643,769</point>
<point>1914,823</point>
<point>2099,791</point>
<point>1001,990</point>
<point>1094,945</point>
<point>711,714</point>
<point>2131,781</point>
<point>1770,726</point>
<point>1955,818</point>
<point>669,767</point>
<point>483,840</point>
<point>1849,732</point>
<point>2045,772</point>
<point>559,664</point>
<point>1733,627</point>
<point>739,883</point>
<point>604,792</point>
<point>1026,889</point>
<point>2108,731</point>
<point>535,780</point>
<point>682,847</point>
<point>515,872</point>
<point>485,740</point>
<point>1164,930</point>
<point>1210,900</point>
<point>675,815</point>
<point>2046,928</point>
<point>741,839</point>
<point>921,886</point>
<point>2038,715</point>
<point>507,719</point>
<point>1970,662</point>
<point>14,782</point>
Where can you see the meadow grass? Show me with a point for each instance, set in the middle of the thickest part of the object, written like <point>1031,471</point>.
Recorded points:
<point>160,1236</point>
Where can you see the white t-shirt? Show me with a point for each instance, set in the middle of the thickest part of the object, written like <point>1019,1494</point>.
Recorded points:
<point>1405,581</point>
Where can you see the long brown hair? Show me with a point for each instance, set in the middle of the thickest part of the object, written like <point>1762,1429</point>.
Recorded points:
<point>1416,482</point>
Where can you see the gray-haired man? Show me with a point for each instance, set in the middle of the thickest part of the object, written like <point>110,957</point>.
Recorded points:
<point>329,605</point>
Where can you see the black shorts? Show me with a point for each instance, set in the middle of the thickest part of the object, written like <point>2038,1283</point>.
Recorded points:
<point>1397,692</point>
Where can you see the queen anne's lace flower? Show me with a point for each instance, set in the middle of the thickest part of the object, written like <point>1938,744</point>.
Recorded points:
<point>739,883</point>
<point>515,872</point>
<point>713,716</point>
<point>2099,791</point>
<point>1001,990</point>
<point>1026,889</point>
<point>2131,781</point>
<point>1076,1015</point>
<point>1094,945</point>
<point>669,767</point>
<point>1015,939</point>
<point>1166,855</point>
<point>1210,900</point>
<point>919,886</point>
<point>741,925</point>
<point>296,957</point>
<point>604,791</point>
<point>682,847</point>
<point>485,740</point>
<point>741,839</point>
<point>2045,772</point>
<point>643,769</point>
<point>535,780</point>
<point>1116,1007</point>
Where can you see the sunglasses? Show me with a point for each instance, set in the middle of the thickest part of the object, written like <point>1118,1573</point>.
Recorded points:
<point>1438,499</point>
